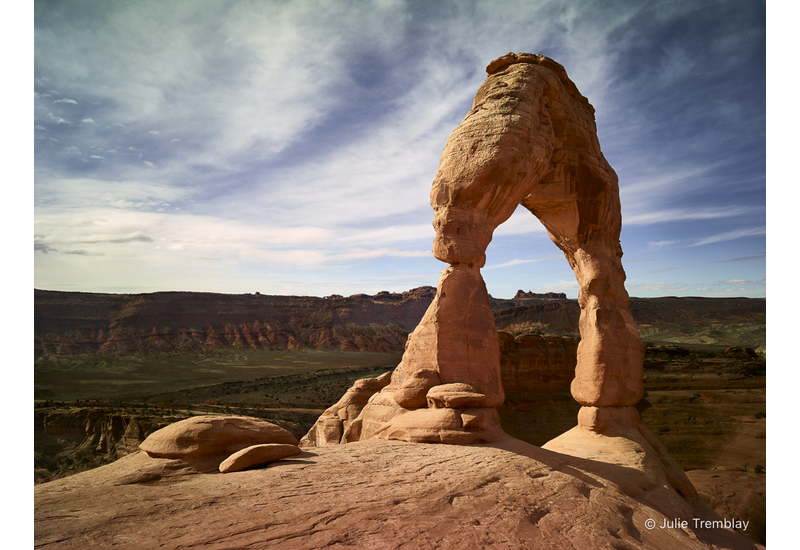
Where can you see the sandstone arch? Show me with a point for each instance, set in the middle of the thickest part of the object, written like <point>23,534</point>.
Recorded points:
<point>530,139</point>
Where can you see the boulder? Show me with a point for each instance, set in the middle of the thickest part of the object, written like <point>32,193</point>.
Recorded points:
<point>414,389</point>
<point>256,455</point>
<point>202,436</point>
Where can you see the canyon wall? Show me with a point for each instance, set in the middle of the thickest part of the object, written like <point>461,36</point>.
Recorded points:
<point>73,323</point>
<point>119,324</point>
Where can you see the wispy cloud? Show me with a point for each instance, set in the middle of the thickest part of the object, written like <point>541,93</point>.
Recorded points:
<point>746,259</point>
<point>509,264</point>
<point>675,215</point>
<point>658,245</point>
<point>730,236</point>
<point>253,138</point>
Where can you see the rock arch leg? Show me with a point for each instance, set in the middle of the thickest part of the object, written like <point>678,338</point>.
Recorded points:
<point>578,202</point>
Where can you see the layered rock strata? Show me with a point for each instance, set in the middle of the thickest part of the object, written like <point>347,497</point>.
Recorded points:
<point>534,364</point>
<point>78,323</point>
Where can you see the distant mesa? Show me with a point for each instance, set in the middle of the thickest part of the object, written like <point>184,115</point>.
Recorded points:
<point>73,323</point>
<point>522,295</point>
<point>76,323</point>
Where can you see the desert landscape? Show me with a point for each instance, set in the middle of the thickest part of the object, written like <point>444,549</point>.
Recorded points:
<point>437,417</point>
<point>704,372</point>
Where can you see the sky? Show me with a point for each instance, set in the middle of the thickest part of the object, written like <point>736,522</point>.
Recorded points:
<point>289,147</point>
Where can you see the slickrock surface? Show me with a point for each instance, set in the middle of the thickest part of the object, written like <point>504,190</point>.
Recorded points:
<point>374,494</point>
<point>735,494</point>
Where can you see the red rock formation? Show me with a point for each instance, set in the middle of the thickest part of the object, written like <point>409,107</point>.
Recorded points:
<point>522,295</point>
<point>528,364</point>
<point>257,455</point>
<point>203,436</point>
<point>529,139</point>
<point>70,323</point>
<point>105,432</point>
<point>335,425</point>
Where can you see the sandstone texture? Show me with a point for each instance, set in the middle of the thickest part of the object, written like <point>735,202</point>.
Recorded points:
<point>377,494</point>
<point>735,494</point>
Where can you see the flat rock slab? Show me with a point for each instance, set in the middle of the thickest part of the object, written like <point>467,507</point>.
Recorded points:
<point>367,495</point>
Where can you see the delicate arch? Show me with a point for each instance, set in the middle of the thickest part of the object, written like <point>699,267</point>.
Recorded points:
<point>530,139</point>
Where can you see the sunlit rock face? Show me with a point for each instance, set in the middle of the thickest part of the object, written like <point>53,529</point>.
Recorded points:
<point>530,139</point>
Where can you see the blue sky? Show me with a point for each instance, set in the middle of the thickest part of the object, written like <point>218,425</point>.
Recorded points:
<point>289,147</point>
